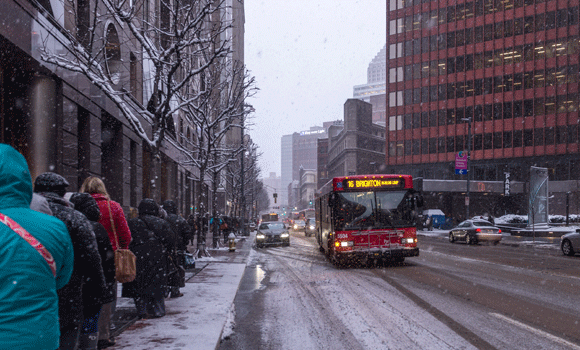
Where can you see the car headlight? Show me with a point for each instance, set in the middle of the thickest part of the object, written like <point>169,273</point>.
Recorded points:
<point>312,227</point>
<point>295,227</point>
<point>260,236</point>
<point>285,235</point>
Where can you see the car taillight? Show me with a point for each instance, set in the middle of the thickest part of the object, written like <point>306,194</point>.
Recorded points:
<point>478,230</point>
<point>499,231</point>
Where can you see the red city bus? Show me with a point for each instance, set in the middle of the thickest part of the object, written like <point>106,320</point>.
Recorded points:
<point>364,218</point>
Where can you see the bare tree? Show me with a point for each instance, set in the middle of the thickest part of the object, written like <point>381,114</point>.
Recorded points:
<point>236,181</point>
<point>176,41</point>
<point>216,110</point>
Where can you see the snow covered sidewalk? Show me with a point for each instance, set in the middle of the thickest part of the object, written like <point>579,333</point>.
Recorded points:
<point>194,321</point>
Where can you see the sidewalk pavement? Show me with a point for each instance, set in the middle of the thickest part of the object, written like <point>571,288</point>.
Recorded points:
<point>199,319</point>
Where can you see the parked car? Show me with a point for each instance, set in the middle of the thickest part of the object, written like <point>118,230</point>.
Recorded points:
<point>475,231</point>
<point>570,243</point>
<point>299,225</point>
<point>272,233</point>
<point>310,227</point>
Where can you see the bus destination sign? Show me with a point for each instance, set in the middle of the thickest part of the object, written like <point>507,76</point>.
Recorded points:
<point>353,184</point>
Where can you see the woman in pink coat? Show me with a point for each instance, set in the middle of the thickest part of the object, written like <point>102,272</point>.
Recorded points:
<point>113,219</point>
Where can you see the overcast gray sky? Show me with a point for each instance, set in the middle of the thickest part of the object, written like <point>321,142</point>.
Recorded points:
<point>306,56</point>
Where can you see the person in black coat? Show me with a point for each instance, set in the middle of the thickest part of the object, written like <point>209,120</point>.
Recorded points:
<point>183,233</point>
<point>87,261</point>
<point>151,239</point>
<point>86,204</point>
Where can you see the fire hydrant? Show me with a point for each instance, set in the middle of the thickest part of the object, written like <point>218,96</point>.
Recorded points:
<point>232,242</point>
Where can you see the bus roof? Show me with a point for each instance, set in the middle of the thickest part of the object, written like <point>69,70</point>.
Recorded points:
<point>362,182</point>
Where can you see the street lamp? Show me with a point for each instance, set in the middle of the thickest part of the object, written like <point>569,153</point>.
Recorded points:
<point>468,120</point>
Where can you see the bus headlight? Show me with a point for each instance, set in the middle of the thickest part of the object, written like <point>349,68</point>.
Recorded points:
<point>346,244</point>
<point>408,240</point>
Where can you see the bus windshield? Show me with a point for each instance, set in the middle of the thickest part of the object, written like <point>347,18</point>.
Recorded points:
<point>373,210</point>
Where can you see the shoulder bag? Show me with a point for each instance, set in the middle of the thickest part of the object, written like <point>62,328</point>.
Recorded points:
<point>31,240</point>
<point>125,260</point>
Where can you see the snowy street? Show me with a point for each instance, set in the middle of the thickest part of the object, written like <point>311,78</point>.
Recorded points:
<point>452,296</point>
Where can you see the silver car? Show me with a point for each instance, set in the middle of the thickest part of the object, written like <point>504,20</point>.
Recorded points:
<point>570,243</point>
<point>474,231</point>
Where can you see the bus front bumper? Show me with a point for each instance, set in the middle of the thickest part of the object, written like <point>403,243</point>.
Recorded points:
<point>381,253</point>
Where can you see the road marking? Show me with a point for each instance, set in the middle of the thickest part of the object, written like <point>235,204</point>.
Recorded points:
<point>536,331</point>
<point>507,267</point>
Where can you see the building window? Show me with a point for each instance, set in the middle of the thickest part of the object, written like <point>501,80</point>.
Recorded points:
<point>487,141</point>
<point>477,142</point>
<point>433,145</point>
<point>561,134</point>
<point>450,144</point>
<point>416,147</point>
<point>549,136</point>
<point>507,139</point>
<point>517,138</point>
<point>497,140</point>
<point>459,143</point>
<point>538,137</point>
<point>113,54</point>
<point>528,137</point>
<point>441,145</point>
<point>572,133</point>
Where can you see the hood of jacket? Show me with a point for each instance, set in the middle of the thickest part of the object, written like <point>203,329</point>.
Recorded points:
<point>15,180</point>
<point>148,207</point>
<point>55,198</point>
<point>86,204</point>
<point>170,207</point>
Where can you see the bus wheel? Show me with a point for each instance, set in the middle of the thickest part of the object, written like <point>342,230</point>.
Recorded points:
<point>340,262</point>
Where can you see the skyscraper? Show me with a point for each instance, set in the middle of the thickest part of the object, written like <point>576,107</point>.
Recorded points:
<point>507,70</point>
<point>373,91</point>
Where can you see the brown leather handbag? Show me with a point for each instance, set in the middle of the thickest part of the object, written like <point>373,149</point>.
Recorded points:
<point>125,260</point>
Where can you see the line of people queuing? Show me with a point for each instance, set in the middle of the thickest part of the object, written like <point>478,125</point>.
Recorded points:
<point>63,295</point>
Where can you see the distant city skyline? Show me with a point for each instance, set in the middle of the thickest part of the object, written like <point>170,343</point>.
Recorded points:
<point>307,64</point>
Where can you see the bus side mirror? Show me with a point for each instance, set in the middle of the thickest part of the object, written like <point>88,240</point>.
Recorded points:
<point>419,201</point>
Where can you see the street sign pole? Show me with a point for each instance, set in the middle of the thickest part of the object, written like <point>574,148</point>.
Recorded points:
<point>468,159</point>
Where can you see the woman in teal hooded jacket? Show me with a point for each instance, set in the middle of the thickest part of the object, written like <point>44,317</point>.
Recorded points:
<point>28,298</point>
